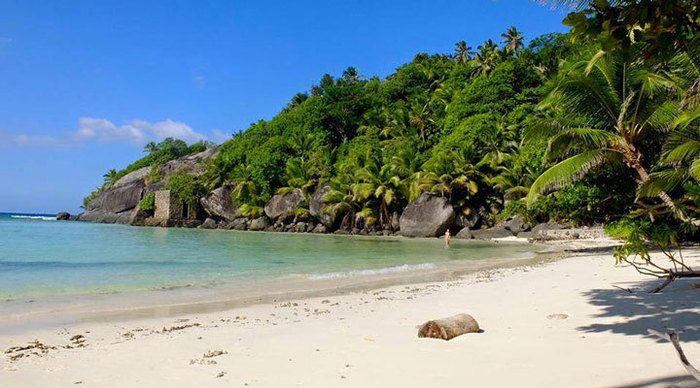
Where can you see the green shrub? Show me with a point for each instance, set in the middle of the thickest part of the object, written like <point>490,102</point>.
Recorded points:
<point>148,203</point>
<point>186,187</point>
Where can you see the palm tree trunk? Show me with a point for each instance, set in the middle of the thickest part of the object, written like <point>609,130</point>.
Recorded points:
<point>665,198</point>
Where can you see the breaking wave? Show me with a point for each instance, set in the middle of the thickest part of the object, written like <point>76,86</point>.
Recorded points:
<point>366,272</point>
<point>40,218</point>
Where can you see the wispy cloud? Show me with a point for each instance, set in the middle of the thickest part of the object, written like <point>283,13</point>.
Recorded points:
<point>219,136</point>
<point>90,129</point>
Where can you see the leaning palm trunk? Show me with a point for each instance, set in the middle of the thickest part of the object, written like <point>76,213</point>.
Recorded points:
<point>634,162</point>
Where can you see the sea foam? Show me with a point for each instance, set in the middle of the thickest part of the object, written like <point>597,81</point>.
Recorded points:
<point>367,272</point>
<point>40,218</point>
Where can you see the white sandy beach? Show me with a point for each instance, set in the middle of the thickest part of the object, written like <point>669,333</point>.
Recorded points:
<point>555,324</point>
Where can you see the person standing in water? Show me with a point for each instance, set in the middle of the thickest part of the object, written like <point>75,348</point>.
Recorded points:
<point>448,236</point>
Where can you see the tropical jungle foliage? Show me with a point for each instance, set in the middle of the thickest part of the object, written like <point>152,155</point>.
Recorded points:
<point>597,125</point>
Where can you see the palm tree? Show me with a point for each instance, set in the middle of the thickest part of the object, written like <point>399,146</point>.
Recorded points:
<point>344,198</point>
<point>381,183</point>
<point>299,173</point>
<point>110,177</point>
<point>451,175</point>
<point>150,147</point>
<point>513,40</point>
<point>487,58</point>
<point>463,53</point>
<point>680,158</point>
<point>604,107</point>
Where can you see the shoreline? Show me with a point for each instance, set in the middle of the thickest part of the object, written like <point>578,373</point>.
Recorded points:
<point>55,312</point>
<point>570,320</point>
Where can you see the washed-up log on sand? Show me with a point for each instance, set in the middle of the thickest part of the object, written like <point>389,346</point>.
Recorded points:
<point>448,328</point>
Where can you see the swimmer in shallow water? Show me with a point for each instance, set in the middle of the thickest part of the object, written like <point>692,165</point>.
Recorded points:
<point>448,236</point>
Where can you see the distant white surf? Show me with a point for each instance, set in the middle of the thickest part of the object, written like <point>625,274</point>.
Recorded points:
<point>366,272</point>
<point>40,218</point>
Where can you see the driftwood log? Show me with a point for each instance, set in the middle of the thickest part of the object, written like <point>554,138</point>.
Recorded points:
<point>448,328</point>
<point>673,337</point>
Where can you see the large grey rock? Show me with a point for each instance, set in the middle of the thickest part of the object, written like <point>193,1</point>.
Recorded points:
<point>428,216</point>
<point>320,228</point>
<point>62,216</point>
<point>218,204</point>
<point>136,176</point>
<point>318,208</point>
<point>491,233</point>
<point>209,223</point>
<point>464,234</point>
<point>517,225</point>
<point>238,224</point>
<point>104,217</point>
<point>300,227</point>
<point>190,164</point>
<point>470,221</point>
<point>118,199</point>
<point>259,224</point>
<point>284,203</point>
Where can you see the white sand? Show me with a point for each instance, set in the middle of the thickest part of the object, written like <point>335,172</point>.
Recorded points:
<point>369,339</point>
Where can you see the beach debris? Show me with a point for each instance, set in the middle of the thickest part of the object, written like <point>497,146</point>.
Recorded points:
<point>207,357</point>
<point>35,348</point>
<point>673,337</point>
<point>557,316</point>
<point>221,374</point>
<point>77,341</point>
<point>214,353</point>
<point>448,328</point>
<point>180,327</point>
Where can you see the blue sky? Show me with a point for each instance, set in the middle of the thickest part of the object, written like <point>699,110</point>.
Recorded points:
<point>84,84</point>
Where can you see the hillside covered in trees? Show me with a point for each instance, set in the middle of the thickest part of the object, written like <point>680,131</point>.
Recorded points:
<point>597,125</point>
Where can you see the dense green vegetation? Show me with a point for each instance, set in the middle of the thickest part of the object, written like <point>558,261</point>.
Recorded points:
<point>451,124</point>
<point>598,125</point>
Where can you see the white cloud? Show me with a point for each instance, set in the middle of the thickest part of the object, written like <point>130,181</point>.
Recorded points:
<point>219,136</point>
<point>136,132</point>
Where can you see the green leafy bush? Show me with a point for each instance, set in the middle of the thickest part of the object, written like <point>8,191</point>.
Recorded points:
<point>148,203</point>
<point>186,187</point>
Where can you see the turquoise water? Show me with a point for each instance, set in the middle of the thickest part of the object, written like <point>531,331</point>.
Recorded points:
<point>39,257</point>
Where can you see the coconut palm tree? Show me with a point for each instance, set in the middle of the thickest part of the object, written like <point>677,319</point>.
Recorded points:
<point>486,58</point>
<point>299,173</point>
<point>604,106</point>
<point>110,177</point>
<point>450,174</point>
<point>680,158</point>
<point>150,147</point>
<point>463,53</point>
<point>381,183</point>
<point>513,40</point>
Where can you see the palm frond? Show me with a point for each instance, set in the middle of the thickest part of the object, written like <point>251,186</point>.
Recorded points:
<point>662,181</point>
<point>566,172</point>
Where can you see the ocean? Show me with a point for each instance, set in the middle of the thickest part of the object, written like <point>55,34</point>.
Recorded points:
<point>44,259</point>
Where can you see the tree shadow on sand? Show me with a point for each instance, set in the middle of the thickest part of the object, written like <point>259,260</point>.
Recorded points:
<point>681,381</point>
<point>676,308</point>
